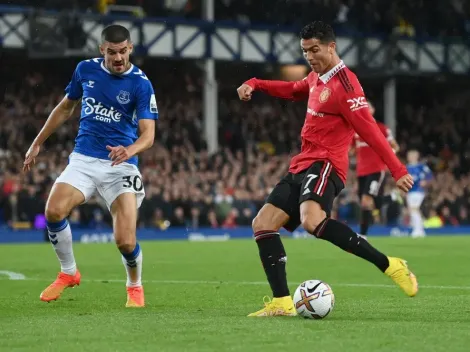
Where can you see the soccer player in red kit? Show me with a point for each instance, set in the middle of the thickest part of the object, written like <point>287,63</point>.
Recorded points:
<point>371,173</point>
<point>336,108</point>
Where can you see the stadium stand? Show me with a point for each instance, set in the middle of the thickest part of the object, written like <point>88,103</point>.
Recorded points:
<point>409,17</point>
<point>226,189</point>
<point>186,186</point>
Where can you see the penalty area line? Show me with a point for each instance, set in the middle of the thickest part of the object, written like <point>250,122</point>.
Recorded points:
<point>215,282</point>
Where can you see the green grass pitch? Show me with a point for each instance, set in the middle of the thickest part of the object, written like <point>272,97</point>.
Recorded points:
<point>198,295</point>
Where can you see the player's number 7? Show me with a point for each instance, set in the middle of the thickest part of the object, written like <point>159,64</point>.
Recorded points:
<point>310,177</point>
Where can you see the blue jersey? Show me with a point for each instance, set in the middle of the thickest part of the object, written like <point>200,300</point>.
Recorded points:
<point>419,172</point>
<point>112,106</point>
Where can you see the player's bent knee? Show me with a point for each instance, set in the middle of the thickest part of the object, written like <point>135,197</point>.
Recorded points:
<point>262,223</point>
<point>126,245</point>
<point>258,224</point>
<point>311,216</point>
<point>311,222</point>
<point>269,218</point>
<point>125,234</point>
<point>124,213</point>
<point>55,213</point>
<point>62,199</point>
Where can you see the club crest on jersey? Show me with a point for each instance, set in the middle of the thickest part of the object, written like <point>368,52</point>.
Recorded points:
<point>123,97</point>
<point>324,95</point>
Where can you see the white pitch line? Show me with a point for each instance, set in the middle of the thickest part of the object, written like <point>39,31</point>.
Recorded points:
<point>256,283</point>
<point>12,275</point>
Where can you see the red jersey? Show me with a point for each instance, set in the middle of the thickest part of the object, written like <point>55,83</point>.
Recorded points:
<point>336,109</point>
<point>367,160</point>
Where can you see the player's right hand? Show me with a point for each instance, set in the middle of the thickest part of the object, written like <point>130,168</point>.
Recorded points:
<point>30,157</point>
<point>244,92</point>
<point>405,183</point>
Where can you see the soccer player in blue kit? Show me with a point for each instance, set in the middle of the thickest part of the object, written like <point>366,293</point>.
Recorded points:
<point>422,175</point>
<point>117,122</point>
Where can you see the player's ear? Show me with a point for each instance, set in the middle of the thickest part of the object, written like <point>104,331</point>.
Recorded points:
<point>332,48</point>
<point>102,50</point>
<point>131,47</point>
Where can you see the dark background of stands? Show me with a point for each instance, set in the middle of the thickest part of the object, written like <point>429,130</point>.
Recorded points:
<point>433,18</point>
<point>187,187</point>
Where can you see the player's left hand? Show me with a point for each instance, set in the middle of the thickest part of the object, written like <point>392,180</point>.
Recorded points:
<point>244,92</point>
<point>405,183</point>
<point>30,157</point>
<point>118,154</point>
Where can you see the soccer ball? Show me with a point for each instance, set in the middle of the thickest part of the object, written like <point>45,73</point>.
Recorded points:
<point>314,299</point>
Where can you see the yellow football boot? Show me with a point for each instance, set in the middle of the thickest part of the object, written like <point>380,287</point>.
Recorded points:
<point>278,306</point>
<point>398,271</point>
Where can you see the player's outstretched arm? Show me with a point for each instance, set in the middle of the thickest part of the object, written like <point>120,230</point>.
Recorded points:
<point>298,90</point>
<point>120,154</point>
<point>57,117</point>
<point>366,127</point>
<point>355,109</point>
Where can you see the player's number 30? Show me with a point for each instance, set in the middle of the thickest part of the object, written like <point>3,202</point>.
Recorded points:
<point>134,182</point>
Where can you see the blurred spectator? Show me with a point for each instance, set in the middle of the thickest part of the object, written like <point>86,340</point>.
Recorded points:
<point>447,218</point>
<point>463,217</point>
<point>212,219</point>
<point>75,218</point>
<point>178,219</point>
<point>157,220</point>
<point>230,221</point>
<point>433,220</point>
<point>195,218</point>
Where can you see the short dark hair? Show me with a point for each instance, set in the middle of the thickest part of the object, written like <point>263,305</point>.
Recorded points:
<point>318,30</point>
<point>115,34</point>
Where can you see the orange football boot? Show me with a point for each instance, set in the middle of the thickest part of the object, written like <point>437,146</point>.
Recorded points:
<point>135,297</point>
<point>63,281</point>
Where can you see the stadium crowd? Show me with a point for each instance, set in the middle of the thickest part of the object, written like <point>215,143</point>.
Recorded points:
<point>410,17</point>
<point>433,18</point>
<point>188,187</point>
